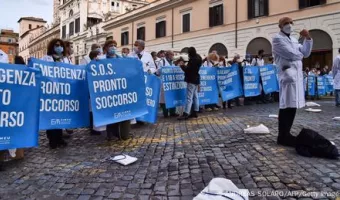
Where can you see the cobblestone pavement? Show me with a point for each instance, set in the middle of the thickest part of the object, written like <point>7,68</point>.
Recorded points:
<point>176,160</point>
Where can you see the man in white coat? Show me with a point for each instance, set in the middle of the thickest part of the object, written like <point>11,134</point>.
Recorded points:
<point>146,58</point>
<point>288,55</point>
<point>336,77</point>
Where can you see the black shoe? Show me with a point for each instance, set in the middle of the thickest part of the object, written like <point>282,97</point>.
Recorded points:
<point>289,141</point>
<point>174,115</point>
<point>53,145</point>
<point>185,116</point>
<point>193,115</point>
<point>140,123</point>
<point>69,131</point>
<point>66,135</point>
<point>2,168</point>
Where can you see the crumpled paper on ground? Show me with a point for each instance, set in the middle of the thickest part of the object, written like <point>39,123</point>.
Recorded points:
<point>313,110</point>
<point>260,129</point>
<point>312,104</point>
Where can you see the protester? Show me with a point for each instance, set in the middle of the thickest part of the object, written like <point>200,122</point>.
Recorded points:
<point>125,52</point>
<point>55,53</point>
<point>94,47</point>
<point>166,62</point>
<point>288,55</point>
<point>68,52</point>
<point>192,77</point>
<point>146,58</point>
<point>211,61</point>
<point>336,77</point>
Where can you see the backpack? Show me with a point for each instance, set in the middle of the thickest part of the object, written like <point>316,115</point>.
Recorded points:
<point>309,143</point>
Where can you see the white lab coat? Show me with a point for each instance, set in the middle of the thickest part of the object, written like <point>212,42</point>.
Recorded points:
<point>86,60</point>
<point>289,53</point>
<point>257,62</point>
<point>336,72</point>
<point>147,60</point>
<point>3,57</point>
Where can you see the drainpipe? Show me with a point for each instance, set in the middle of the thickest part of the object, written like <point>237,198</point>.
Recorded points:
<point>132,34</point>
<point>236,21</point>
<point>172,29</point>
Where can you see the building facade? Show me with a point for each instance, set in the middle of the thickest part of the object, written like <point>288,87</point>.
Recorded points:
<point>81,21</point>
<point>9,43</point>
<point>228,26</point>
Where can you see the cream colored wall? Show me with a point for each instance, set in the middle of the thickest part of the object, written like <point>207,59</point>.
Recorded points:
<point>24,25</point>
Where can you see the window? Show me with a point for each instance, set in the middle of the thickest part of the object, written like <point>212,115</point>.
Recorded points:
<point>70,13</point>
<point>141,33</point>
<point>63,33</point>
<point>160,29</point>
<point>77,29</point>
<point>125,38</point>
<point>30,26</point>
<point>257,8</point>
<point>186,22</point>
<point>117,4</point>
<point>71,28</point>
<point>216,15</point>
<point>112,3</point>
<point>310,3</point>
<point>9,40</point>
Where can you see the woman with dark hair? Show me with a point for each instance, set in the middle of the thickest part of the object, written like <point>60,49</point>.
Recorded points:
<point>55,53</point>
<point>192,78</point>
<point>110,49</point>
<point>68,52</point>
<point>19,60</point>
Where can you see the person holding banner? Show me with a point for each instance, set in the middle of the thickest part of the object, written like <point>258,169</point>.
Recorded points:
<point>288,55</point>
<point>211,61</point>
<point>192,78</point>
<point>336,78</point>
<point>55,53</point>
<point>94,47</point>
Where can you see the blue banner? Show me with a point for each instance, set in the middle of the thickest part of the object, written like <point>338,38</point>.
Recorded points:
<point>329,83</point>
<point>208,88</point>
<point>174,86</point>
<point>229,82</point>
<point>251,81</point>
<point>269,79</point>
<point>311,85</point>
<point>19,106</point>
<point>117,90</point>
<point>153,88</point>
<point>64,95</point>
<point>321,86</point>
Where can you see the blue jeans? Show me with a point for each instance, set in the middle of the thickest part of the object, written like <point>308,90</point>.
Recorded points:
<point>337,97</point>
<point>192,98</point>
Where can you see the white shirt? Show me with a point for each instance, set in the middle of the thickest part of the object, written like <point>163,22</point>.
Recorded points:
<point>147,60</point>
<point>257,62</point>
<point>3,57</point>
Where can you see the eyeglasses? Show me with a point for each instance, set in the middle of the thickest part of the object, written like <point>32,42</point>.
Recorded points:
<point>57,45</point>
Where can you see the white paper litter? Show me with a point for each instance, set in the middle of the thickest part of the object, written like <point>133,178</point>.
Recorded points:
<point>222,189</point>
<point>260,129</point>
<point>313,110</point>
<point>124,159</point>
<point>133,121</point>
<point>336,118</point>
<point>273,116</point>
<point>12,152</point>
<point>312,104</point>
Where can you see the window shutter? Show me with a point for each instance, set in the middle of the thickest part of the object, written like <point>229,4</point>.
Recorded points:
<point>302,4</point>
<point>211,16</point>
<point>266,7</point>
<point>164,29</point>
<point>250,9</point>
<point>221,15</point>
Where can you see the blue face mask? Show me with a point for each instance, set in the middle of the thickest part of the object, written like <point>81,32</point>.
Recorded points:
<point>99,50</point>
<point>58,50</point>
<point>112,51</point>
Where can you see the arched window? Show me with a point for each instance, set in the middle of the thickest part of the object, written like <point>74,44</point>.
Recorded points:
<point>70,13</point>
<point>257,44</point>
<point>220,48</point>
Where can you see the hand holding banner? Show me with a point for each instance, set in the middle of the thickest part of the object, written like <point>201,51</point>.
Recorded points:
<point>19,106</point>
<point>64,95</point>
<point>208,93</point>
<point>117,90</point>
<point>153,87</point>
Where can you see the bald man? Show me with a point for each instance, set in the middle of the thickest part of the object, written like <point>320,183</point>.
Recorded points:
<point>288,55</point>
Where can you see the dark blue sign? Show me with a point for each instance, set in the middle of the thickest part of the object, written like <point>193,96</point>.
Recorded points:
<point>174,86</point>
<point>251,81</point>
<point>153,87</point>
<point>329,83</point>
<point>117,90</point>
<point>321,86</point>
<point>208,88</point>
<point>229,82</point>
<point>63,96</point>
<point>19,106</point>
<point>311,85</point>
<point>269,79</point>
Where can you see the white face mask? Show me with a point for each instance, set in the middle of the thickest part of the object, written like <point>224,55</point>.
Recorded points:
<point>288,28</point>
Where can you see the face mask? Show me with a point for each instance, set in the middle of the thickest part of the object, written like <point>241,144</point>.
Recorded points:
<point>288,28</point>
<point>124,55</point>
<point>112,51</point>
<point>136,50</point>
<point>100,50</point>
<point>58,50</point>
